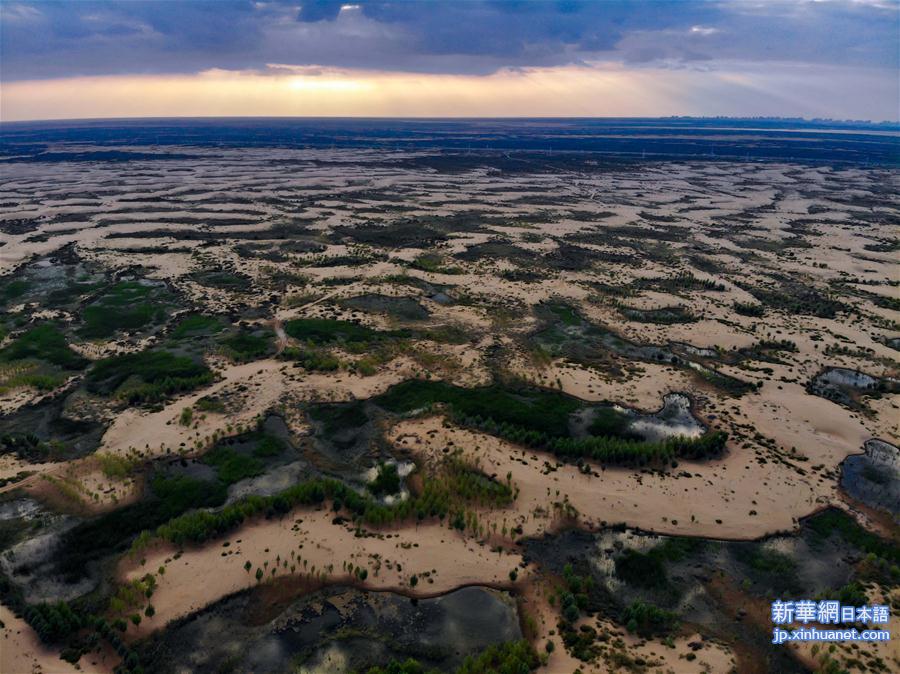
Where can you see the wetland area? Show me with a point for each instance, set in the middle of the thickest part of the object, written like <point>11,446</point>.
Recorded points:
<point>410,397</point>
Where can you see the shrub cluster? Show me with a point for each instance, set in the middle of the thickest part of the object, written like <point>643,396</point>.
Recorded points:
<point>146,376</point>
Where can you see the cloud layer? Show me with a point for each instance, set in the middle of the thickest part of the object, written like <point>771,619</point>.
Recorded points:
<point>715,48</point>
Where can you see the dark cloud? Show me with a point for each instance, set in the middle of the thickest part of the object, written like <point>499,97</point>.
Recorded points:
<point>58,39</point>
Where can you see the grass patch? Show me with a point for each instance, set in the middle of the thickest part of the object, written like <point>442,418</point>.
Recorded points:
<point>315,360</point>
<point>246,346</point>
<point>43,342</point>
<point>429,262</point>
<point>232,466</point>
<point>196,325</point>
<point>833,521</point>
<point>115,466</point>
<point>321,331</point>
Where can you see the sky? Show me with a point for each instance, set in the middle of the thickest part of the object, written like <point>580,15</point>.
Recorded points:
<point>72,59</point>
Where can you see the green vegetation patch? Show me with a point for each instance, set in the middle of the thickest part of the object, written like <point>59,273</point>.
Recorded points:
<point>197,325</point>
<point>339,416</point>
<point>430,262</point>
<point>834,521</point>
<point>268,446</point>
<point>318,331</point>
<point>13,290</point>
<point>113,532</point>
<point>127,305</point>
<point>610,422</point>
<point>403,308</point>
<point>40,357</point>
<point>648,569</point>
<point>647,620</point>
<point>245,346</point>
<point>146,376</point>
<point>532,409</point>
<point>314,360</point>
<point>795,298</point>
<point>680,281</point>
<point>387,480</point>
<point>232,466</point>
<point>446,493</point>
<point>224,280</point>
<point>751,309</point>
<point>43,342</point>
<point>540,418</point>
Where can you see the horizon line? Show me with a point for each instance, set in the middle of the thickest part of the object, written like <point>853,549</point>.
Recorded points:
<point>774,118</point>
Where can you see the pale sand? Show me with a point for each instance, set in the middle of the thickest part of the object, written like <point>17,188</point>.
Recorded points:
<point>204,574</point>
<point>644,388</point>
<point>662,503</point>
<point>21,652</point>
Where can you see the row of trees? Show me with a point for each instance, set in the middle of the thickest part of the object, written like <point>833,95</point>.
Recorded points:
<point>607,449</point>
<point>447,491</point>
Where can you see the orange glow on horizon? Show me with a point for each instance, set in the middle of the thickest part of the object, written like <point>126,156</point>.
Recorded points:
<point>594,90</point>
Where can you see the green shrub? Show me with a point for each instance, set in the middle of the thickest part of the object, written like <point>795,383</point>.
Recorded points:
<point>752,309</point>
<point>647,620</point>
<point>315,360</point>
<point>387,480</point>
